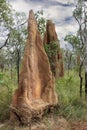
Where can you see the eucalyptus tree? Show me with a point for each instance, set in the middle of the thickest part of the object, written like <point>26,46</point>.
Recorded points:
<point>74,42</point>
<point>80,14</point>
<point>6,21</point>
<point>17,38</point>
<point>5,14</point>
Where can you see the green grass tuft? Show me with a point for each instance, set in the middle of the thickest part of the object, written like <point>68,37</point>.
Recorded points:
<point>72,107</point>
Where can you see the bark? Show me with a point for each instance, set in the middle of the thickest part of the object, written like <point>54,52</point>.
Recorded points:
<point>78,60</point>
<point>86,83</point>
<point>81,78</point>
<point>69,62</point>
<point>18,64</point>
<point>6,41</point>
<point>86,64</point>
<point>11,71</point>
<point>2,66</point>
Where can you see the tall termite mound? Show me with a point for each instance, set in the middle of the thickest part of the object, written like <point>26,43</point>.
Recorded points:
<point>36,90</point>
<point>56,59</point>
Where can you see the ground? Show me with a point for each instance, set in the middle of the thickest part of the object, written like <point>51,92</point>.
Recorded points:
<point>79,125</point>
<point>57,123</point>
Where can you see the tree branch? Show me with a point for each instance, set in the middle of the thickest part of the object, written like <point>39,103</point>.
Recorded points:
<point>5,41</point>
<point>21,24</point>
<point>8,35</point>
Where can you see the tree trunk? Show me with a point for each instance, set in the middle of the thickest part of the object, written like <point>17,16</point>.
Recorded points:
<point>86,83</point>
<point>81,78</point>
<point>68,69</point>
<point>18,65</point>
<point>11,71</point>
<point>86,67</point>
<point>86,63</point>
<point>69,56</point>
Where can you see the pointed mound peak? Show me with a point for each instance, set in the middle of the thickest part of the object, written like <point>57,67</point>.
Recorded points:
<point>31,15</point>
<point>32,25</point>
<point>49,22</point>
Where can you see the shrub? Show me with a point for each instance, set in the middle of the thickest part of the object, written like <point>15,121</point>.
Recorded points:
<point>6,90</point>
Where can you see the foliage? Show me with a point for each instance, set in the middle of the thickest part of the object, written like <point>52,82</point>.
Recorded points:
<point>78,10</point>
<point>51,48</point>
<point>52,52</point>
<point>6,21</point>
<point>18,33</point>
<point>73,40</point>
<point>6,91</point>
<point>70,55</point>
<point>15,46</point>
<point>41,21</point>
<point>80,15</point>
<point>5,14</point>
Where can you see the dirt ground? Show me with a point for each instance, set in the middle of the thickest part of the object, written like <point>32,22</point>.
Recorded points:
<point>79,125</point>
<point>58,123</point>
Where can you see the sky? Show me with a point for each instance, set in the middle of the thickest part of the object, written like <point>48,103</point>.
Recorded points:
<point>59,11</point>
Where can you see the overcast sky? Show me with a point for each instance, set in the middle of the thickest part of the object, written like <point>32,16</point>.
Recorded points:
<point>60,11</point>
